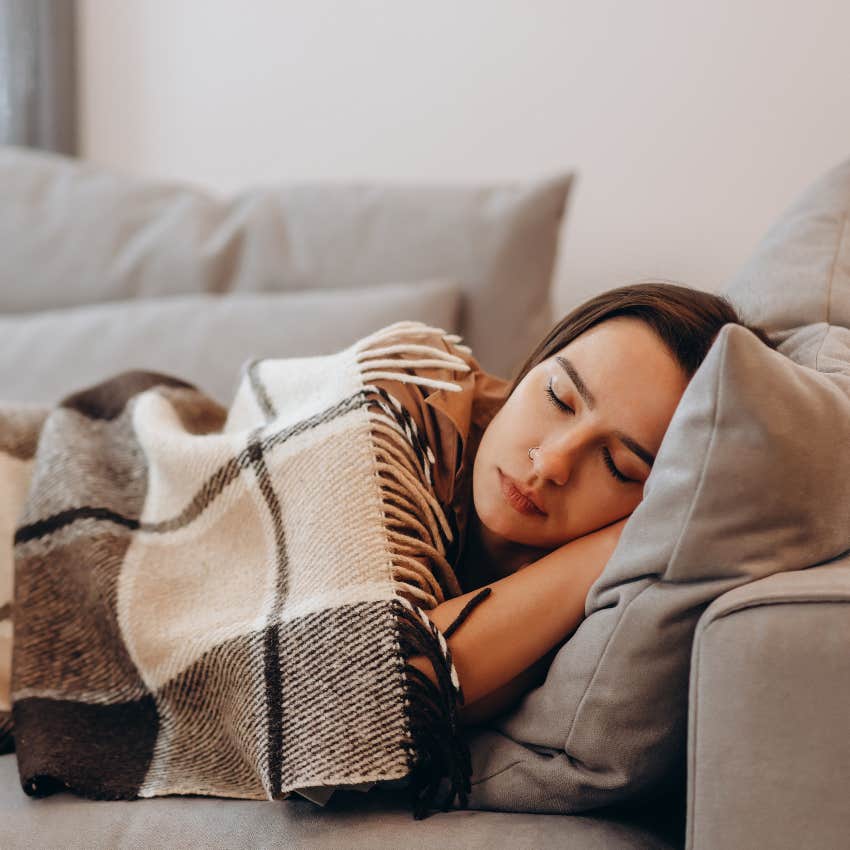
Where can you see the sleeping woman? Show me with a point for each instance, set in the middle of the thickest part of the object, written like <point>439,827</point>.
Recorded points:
<point>500,505</point>
<point>559,461</point>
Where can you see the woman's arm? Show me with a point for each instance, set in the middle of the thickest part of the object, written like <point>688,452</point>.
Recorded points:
<point>526,614</point>
<point>502,699</point>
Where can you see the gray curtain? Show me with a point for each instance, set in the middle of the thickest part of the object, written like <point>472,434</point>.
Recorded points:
<point>38,74</point>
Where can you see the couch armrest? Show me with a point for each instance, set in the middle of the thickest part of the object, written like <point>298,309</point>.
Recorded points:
<point>769,714</point>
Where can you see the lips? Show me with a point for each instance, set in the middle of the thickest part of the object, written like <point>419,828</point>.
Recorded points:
<point>521,501</point>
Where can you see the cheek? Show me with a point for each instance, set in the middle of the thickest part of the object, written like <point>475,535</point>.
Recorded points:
<point>487,453</point>
<point>528,391</point>
<point>626,503</point>
<point>493,450</point>
<point>501,440</point>
<point>492,436</point>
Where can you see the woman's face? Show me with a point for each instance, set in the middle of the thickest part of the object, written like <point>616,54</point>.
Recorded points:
<point>619,386</point>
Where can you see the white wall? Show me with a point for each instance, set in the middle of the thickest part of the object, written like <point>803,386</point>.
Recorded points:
<point>690,124</point>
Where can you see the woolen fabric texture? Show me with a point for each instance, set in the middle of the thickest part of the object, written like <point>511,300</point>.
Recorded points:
<point>224,601</point>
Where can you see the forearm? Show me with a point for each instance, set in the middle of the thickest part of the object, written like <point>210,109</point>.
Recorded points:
<point>504,698</point>
<point>526,614</point>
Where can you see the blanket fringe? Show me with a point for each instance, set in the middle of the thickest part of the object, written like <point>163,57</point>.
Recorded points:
<point>374,363</point>
<point>415,522</point>
<point>418,534</point>
<point>7,733</point>
<point>437,747</point>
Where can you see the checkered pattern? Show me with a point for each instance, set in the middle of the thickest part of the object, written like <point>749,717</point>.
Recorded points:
<point>223,601</point>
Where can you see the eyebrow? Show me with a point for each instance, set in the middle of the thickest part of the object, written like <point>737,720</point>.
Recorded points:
<point>590,400</point>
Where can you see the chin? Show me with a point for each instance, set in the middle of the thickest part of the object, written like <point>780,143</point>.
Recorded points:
<point>510,526</point>
<point>490,514</point>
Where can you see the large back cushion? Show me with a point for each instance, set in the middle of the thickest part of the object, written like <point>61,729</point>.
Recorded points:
<point>72,233</point>
<point>751,479</point>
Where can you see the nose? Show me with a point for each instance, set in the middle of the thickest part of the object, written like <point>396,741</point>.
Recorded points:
<point>554,461</point>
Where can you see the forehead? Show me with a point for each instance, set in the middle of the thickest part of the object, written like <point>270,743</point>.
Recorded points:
<point>622,344</point>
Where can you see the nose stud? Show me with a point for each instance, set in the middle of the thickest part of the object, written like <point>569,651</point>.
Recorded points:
<point>531,452</point>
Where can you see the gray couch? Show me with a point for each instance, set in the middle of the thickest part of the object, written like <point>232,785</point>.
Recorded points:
<point>768,756</point>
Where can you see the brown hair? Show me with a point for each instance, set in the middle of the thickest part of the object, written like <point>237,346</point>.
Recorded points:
<point>687,321</point>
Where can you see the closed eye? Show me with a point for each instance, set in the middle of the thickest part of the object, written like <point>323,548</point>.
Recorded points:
<point>606,455</point>
<point>555,400</point>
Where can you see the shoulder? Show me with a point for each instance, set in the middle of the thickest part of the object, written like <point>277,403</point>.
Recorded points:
<point>438,382</point>
<point>422,377</point>
<point>447,424</point>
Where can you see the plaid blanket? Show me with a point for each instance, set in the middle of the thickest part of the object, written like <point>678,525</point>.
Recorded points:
<point>223,601</point>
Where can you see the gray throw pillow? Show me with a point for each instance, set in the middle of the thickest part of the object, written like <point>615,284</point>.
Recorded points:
<point>204,339</point>
<point>73,233</point>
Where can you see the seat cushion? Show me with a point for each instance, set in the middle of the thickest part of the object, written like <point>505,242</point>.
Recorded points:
<point>369,821</point>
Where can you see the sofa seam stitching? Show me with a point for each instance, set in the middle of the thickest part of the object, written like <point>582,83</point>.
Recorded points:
<point>822,345</point>
<point>497,773</point>
<point>690,812</point>
<point>789,599</point>
<point>841,237</point>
